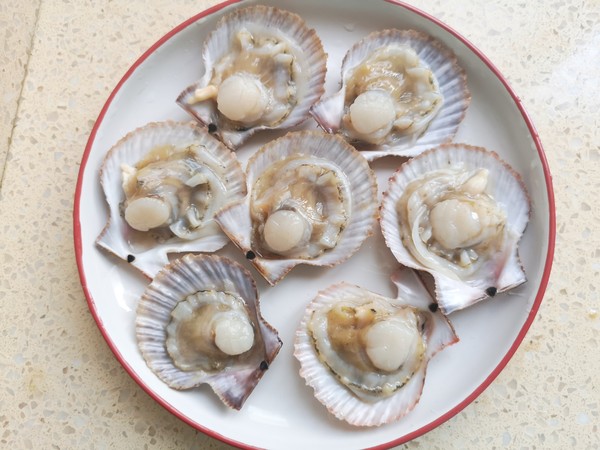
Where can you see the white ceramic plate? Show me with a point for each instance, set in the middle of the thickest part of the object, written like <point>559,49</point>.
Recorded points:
<point>282,409</point>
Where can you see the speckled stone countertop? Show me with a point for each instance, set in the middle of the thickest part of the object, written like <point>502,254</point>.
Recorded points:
<point>60,385</point>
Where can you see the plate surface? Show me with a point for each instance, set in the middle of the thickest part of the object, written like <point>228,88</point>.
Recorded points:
<point>282,408</point>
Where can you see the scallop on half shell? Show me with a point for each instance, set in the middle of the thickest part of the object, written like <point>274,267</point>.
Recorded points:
<point>366,355</point>
<point>458,212</point>
<point>163,183</point>
<point>312,199</point>
<point>264,69</point>
<point>199,322</point>
<point>401,93</point>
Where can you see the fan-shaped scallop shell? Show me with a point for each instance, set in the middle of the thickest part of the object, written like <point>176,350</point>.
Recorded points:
<point>234,381</point>
<point>331,388</point>
<point>481,268</point>
<point>353,181</point>
<point>449,77</point>
<point>141,249</point>
<point>300,77</point>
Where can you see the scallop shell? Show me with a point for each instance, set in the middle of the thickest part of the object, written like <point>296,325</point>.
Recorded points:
<point>451,80</point>
<point>499,272</point>
<point>181,279</point>
<point>262,21</point>
<point>324,150</point>
<point>148,255</point>
<point>340,400</point>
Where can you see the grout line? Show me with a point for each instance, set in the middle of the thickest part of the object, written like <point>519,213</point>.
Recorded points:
<point>20,98</point>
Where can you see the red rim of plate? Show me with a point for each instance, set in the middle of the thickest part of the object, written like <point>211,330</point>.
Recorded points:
<point>407,437</point>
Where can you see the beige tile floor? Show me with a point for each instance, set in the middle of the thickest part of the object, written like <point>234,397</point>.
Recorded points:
<point>61,387</point>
